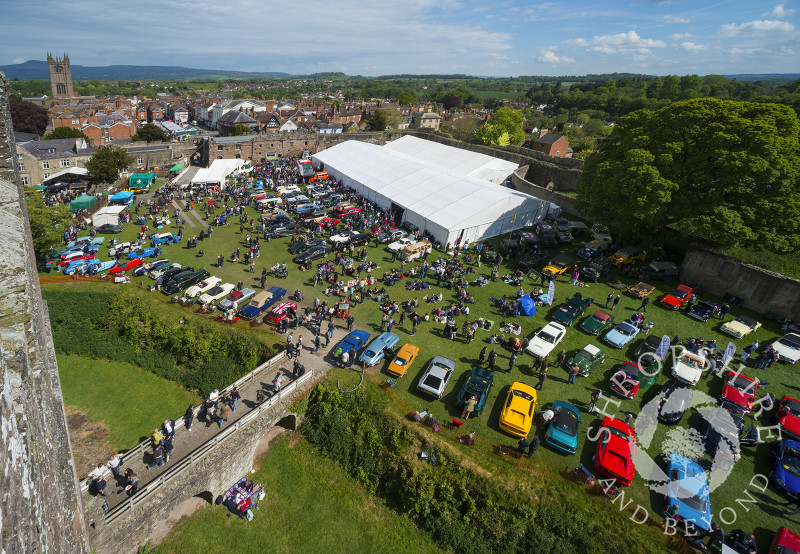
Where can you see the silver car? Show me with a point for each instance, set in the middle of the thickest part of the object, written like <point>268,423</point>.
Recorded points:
<point>436,376</point>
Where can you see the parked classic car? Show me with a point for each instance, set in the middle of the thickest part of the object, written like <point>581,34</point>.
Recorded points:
<point>621,335</point>
<point>678,298</point>
<point>688,490</point>
<point>597,322</point>
<point>661,270</point>
<point>625,382</point>
<point>403,359</point>
<point>281,312</point>
<point>597,269</point>
<point>570,310</point>
<point>558,265</point>
<point>587,358</point>
<point>616,451</point>
<point>704,311</point>
<point>627,255</point>
<point>788,348</point>
<point>478,384</point>
<point>516,418</point>
<point>674,400</point>
<point>236,299</point>
<point>436,376</point>
<point>201,287</point>
<point>109,228</point>
<point>740,327</point>
<point>313,253</point>
<point>546,339</point>
<point>376,351</point>
<point>562,433</point>
<point>215,293</point>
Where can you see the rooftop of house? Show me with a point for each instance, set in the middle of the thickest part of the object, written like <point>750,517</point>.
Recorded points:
<point>549,138</point>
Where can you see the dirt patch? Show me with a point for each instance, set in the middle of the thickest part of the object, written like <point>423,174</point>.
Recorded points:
<point>263,444</point>
<point>185,508</point>
<point>90,445</point>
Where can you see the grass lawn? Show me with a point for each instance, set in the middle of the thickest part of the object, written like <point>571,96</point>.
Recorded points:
<point>122,396</point>
<point>311,505</point>
<point>762,518</point>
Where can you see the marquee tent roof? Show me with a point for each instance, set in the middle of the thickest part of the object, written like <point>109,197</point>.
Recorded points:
<point>436,199</point>
<point>463,162</point>
<point>109,214</point>
<point>82,203</point>
<point>217,172</point>
<point>76,171</point>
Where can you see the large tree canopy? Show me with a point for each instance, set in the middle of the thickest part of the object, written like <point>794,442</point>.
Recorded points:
<point>65,132</point>
<point>27,117</point>
<point>151,133</point>
<point>107,162</point>
<point>48,223</point>
<point>715,171</point>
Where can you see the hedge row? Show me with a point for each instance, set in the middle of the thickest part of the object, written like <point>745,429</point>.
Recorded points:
<point>463,511</point>
<point>198,354</point>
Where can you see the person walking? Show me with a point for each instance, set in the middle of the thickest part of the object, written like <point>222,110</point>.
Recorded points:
<point>542,378</point>
<point>224,412</point>
<point>573,372</point>
<point>534,445</point>
<point>317,342</point>
<point>609,298</point>
<point>235,396</point>
<point>561,357</point>
<point>133,482</point>
<point>188,417</point>
<point>593,400</point>
<point>615,302</point>
<point>748,350</point>
<point>643,307</point>
<point>492,359</point>
<point>350,321</point>
<point>482,356</point>
<point>158,457</point>
<point>390,325</point>
<point>511,362</point>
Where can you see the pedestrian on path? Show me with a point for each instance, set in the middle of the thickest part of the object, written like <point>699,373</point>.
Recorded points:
<point>158,457</point>
<point>317,342</point>
<point>235,396</point>
<point>224,412</point>
<point>113,464</point>
<point>188,417</point>
<point>615,302</point>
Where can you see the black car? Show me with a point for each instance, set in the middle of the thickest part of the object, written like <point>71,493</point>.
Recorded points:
<point>674,400</point>
<point>704,310</point>
<point>359,239</point>
<point>313,253</point>
<point>597,269</point>
<point>184,280</point>
<point>314,214</point>
<point>301,246</point>
<point>285,230</point>
<point>172,272</point>
<point>109,228</point>
<point>279,220</point>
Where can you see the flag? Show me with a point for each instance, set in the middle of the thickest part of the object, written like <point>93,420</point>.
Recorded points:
<point>513,219</point>
<point>728,355</point>
<point>663,348</point>
<point>551,293</point>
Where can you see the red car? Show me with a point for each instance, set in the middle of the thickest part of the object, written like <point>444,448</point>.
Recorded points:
<point>282,311</point>
<point>347,210</point>
<point>740,390</point>
<point>66,260</point>
<point>625,382</point>
<point>616,448</point>
<point>330,221</point>
<point>125,266</point>
<point>789,416</point>
<point>678,297</point>
<point>785,541</point>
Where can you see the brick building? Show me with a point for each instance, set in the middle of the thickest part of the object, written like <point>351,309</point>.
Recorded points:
<point>552,145</point>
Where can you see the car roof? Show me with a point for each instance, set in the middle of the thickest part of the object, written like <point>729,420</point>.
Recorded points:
<point>592,349</point>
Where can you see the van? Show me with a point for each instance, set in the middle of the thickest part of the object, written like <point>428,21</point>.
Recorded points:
<point>414,251</point>
<point>267,204</point>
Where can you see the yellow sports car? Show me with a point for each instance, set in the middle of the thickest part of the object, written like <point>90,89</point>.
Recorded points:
<point>558,265</point>
<point>403,359</point>
<point>517,416</point>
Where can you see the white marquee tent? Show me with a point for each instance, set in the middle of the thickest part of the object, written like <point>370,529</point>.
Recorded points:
<point>436,199</point>
<point>464,162</point>
<point>216,173</point>
<point>109,214</point>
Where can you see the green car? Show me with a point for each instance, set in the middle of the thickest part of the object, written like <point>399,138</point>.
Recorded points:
<point>570,310</point>
<point>479,383</point>
<point>587,358</point>
<point>597,322</point>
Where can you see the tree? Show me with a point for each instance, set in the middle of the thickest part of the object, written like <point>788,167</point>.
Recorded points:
<point>65,132</point>
<point>107,162</point>
<point>715,171</point>
<point>27,117</point>
<point>240,129</point>
<point>383,118</point>
<point>510,120</point>
<point>452,101</point>
<point>151,133</point>
<point>406,98</point>
<point>462,128</point>
<point>492,135</point>
<point>48,223</point>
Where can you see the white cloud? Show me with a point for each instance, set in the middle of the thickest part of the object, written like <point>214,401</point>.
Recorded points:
<point>20,60</point>
<point>680,36</point>
<point>692,47</point>
<point>674,19</point>
<point>577,42</point>
<point>757,27</point>
<point>625,43</point>
<point>780,11</point>
<point>548,55</point>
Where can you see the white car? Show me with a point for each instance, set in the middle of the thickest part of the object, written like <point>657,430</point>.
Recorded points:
<point>436,376</point>
<point>546,339</point>
<point>392,235</point>
<point>344,236</point>
<point>201,287</point>
<point>215,293</point>
<point>788,347</point>
<point>398,245</point>
<point>689,368</point>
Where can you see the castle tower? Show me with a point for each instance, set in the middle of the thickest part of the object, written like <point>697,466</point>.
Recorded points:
<point>60,76</point>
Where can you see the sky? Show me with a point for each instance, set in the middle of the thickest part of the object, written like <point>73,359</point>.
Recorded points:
<point>380,37</point>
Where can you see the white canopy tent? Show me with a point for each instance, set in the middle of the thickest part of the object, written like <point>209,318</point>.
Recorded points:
<point>448,205</point>
<point>216,173</point>
<point>79,171</point>
<point>109,214</point>
<point>463,162</point>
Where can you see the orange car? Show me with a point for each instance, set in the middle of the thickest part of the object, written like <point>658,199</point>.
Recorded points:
<point>403,359</point>
<point>320,176</point>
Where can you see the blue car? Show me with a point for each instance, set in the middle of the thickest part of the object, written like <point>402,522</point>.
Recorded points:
<point>562,434</point>
<point>621,335</point>
<point>688,490</point>
<point>144,253</point>
<point>786,470</point>
<point>82,267</point>
<point>354,341</point>
<point>376,351</point>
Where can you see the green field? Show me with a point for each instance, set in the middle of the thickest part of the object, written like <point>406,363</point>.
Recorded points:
<point>311,505</point>
<point>763,517</point>
<point>122,396</point>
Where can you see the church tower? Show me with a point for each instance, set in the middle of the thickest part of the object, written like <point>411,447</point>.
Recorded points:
<point>60,76</point>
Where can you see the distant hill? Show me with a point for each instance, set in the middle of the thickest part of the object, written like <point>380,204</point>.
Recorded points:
<point>788,77</point>
<point>36,69</point>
